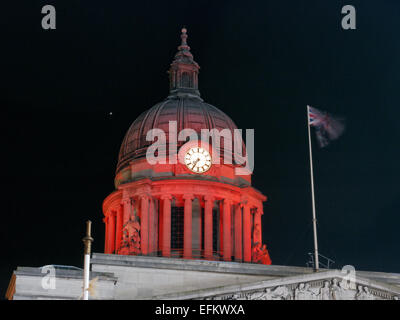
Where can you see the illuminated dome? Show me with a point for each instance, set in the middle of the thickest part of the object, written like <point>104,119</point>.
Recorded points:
<point>188,112</point>
<point>183,105</point>
<point>171,208</point>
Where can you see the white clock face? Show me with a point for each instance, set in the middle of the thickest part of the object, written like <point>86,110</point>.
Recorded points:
<point>198,160</point>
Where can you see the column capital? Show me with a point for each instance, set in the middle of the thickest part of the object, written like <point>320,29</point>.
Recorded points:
<point>166,197</point>
<point>236,204</point>
<point>145,196</point>
<point>244,200</point>
<point>188,196</point>
<point>209,198</point>
<point>243,203</point>
<point>109,212</point>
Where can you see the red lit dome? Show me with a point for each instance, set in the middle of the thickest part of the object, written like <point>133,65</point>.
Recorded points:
<point>167,209</point>
<point>188,112</point>
<point>183,105</point>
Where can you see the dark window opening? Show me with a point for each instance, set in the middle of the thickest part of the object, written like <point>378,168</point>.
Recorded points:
<point>215,229</point>
<point>202,231</point>
<point>177,230</point>
<point>186,80</point>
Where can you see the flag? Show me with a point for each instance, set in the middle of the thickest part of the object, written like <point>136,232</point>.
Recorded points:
<point>327,127</point>
<point>92,288</point>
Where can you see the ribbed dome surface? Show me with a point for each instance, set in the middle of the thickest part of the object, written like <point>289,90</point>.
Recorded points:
<point>188,112</point>
<point>183,105</point>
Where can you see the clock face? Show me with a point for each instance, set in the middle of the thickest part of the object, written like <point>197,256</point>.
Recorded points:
<point>198,160</point>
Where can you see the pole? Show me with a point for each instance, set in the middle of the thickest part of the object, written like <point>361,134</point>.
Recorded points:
<point>87,240</point>
<point>314,220</point>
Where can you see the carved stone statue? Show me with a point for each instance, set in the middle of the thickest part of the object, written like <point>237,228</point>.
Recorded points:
<point>279,293</point>
<point>282,293</point>
<point>260,254</point>
<point>364,294</point>
<point>325,291</point>
<point>330,289</point>
<point>130,238</point>
<point>303,292</point>
<point>346,292</point>
<point>336,290</point>
<point>260,295</point>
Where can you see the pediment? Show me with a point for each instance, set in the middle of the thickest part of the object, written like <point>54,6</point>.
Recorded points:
<point>329,285</point>
<point>324,285</point>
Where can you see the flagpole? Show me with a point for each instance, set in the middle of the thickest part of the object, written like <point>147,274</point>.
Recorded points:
<point>87,240</point>
<point>314,220</point>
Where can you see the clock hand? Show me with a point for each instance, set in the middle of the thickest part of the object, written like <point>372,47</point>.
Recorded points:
<point>194,164</point>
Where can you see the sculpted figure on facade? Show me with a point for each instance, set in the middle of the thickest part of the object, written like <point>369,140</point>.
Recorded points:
<point>303,292</point>
<point>254,295</point>
<point>325,291</point>
<point>279,293</point>
<point>341,290</point>
<point>260,254</point>
<point>282,293</point>
<point>336,290</point>
<point>329,290</point>
<point>260,295</point>
<point>363,293</point>
<point>346,292</point>
<point>131,237</point>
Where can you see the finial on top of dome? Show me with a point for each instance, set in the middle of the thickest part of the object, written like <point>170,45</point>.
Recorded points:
<point>184,36</point>
<point>183,73</point>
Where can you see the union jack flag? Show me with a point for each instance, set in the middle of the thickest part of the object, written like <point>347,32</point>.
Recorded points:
<point>327,127</point>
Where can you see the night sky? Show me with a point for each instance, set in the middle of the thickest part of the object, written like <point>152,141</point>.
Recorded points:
<point>261,63</point>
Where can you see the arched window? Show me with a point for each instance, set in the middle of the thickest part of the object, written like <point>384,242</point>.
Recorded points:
<point>186,80</point>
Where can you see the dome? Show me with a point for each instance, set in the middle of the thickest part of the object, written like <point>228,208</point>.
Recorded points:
<point>183,105</point>
<point>187,111</point>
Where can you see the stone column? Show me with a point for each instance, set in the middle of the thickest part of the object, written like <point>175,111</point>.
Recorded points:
<point>166,225</point>
<point>238,232</point>
<point>187,226</point>
<point>246,233</point>
<point>144,224</point>
<point>208,227</point>
<point>111,231</point>
<point>105,220</point>
<point>227,230</point>
<point>118,238</point>
<point>221,230</point>
<point>199,229</point>
<point>257,221</point>
<point>151,226</point>
<point>156,225</point>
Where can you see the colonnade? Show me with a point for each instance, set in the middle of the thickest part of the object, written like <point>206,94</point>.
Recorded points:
<point>237,232</point>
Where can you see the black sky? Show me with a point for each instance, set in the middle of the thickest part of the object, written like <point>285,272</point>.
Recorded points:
<point>261,63</point>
